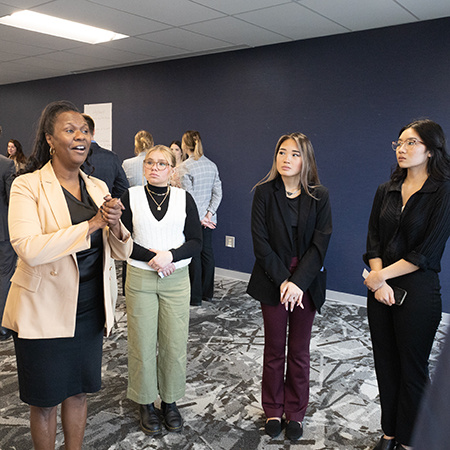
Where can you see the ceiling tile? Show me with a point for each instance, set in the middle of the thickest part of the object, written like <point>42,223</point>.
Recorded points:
<point>40,72</point>
<point>364,15</point>
<point>239,6</point>
<point>100,16</point>
<point>237,32</point>
<point>145,47</point>
<point>186,40</point>
<point>16,35</point>
<point>173,12</point>
<point>293,21</point>
<point>23,4</point>
<point>108,53</point>
<point>426,10</point>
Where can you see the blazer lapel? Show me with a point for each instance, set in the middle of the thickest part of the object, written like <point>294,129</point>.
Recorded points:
<point>303,214</point>
<point>94,191</point>
<point>55,196</point>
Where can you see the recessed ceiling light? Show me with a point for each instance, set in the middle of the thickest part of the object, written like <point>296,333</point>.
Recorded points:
<point>54,26</point>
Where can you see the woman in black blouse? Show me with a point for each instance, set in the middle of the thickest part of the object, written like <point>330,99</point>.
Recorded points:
<point>166,231</point>
<point>408,228</point>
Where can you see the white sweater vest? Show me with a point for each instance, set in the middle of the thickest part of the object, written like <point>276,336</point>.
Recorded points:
<point>158,235</point>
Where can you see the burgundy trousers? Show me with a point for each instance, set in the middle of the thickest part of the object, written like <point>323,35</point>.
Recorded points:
<point>287,394</point>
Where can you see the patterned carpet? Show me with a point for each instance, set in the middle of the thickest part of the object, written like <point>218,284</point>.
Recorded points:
<point>222,407</point>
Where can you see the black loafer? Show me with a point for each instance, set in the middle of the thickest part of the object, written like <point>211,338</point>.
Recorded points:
<point>385,444</point>
<point>273,427</point>
<point>172,417</point>
<point>5,334</point>
<point>294,430</point>
<point>149,420</point>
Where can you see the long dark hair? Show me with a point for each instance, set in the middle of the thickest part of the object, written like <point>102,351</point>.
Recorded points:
<point>41,150</point>
<point>433,137</point>
<point>19,157</point>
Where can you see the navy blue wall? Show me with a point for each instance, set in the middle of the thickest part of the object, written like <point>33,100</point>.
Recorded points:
<point>349,93</point>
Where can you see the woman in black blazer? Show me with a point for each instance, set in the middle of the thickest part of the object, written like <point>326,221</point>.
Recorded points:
<point>291,229</point>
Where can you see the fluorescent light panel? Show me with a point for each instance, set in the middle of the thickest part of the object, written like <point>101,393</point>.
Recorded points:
<point>54,26</point>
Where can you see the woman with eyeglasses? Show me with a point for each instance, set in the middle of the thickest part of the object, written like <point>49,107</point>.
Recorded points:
<point>163,221</point>
<point>408,229</point>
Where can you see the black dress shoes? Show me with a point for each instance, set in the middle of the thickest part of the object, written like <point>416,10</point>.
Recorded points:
<point>385,444</point>
<point>172,417</point>
<point>5,334</point>
<point>273,427</point>
<point>294,430</point>
<point>149,420</point>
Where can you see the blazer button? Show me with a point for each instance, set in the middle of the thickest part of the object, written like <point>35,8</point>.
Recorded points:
<point>53,273</point>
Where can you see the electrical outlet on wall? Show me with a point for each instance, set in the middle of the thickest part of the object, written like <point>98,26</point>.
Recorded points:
<point>229,241</point>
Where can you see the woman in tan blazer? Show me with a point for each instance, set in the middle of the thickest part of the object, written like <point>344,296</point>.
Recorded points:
<point>64,227</point>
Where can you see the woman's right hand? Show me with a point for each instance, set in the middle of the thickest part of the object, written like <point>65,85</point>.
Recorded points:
<point>97,222</point>
<point>385,295</point>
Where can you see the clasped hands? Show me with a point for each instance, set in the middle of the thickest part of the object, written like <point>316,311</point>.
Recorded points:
<point>291,295</point>
<point>376,283</point>
<point>162,262</point>
<point>111,210</point>
<point>108,214</point>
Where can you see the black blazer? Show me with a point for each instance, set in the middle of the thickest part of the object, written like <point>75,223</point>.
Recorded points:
<point>108,168</point>
<point>273,243</point>
<point>7,171</point>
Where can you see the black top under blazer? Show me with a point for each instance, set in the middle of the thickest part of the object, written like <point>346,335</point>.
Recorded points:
<point>273,242</point>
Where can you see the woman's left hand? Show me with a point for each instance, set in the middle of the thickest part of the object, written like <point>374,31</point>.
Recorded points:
<point>374,280</point>
<point>291,295</point>
<point>168,270</point>
<point>112,210</point>
<point>162,259</point>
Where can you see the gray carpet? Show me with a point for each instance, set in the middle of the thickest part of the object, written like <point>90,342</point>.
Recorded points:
<point>222,407</point>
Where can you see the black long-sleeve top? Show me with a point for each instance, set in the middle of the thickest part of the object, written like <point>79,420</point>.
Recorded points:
<point>417,234</point>
<point>192,228</point>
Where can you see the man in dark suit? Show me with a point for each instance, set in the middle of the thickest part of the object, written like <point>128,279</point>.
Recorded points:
<point>106,164</point>
<point>8,257</point>
<point>107,167</point>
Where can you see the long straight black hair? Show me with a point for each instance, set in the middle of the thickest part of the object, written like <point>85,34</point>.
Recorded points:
<point>433,137</point>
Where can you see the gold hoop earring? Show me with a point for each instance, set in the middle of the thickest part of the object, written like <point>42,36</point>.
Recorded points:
<point>52,151</point>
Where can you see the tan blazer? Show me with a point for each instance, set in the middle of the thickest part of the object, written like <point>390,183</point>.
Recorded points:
<point>42,301</point>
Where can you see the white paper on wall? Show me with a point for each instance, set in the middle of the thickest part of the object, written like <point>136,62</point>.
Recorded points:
<point>102,115</point>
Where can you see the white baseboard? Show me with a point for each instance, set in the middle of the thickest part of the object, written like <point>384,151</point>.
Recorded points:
<point>358,300</point>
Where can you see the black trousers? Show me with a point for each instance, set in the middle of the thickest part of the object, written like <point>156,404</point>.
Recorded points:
<point>8,259</point>
<point>402,338</point>
<point>201,270</point>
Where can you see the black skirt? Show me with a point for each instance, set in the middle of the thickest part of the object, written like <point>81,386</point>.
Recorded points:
<point>51,370</point>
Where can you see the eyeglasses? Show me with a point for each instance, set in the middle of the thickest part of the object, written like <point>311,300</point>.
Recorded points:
<point>409,144</point>
<point>159,164</point>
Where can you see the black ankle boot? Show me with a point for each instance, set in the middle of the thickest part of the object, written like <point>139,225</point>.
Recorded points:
<point>172,417</point>
<point>149,420</point>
